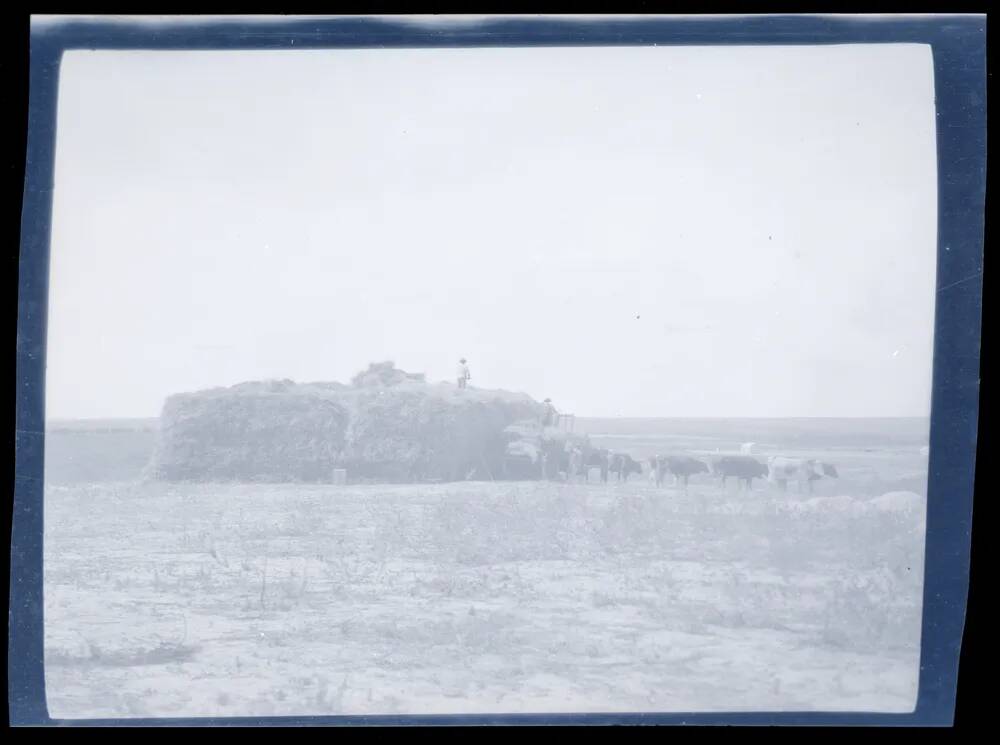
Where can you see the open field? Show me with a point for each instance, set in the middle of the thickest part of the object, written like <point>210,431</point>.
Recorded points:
<point>170,600</point>
<point>230,599</point>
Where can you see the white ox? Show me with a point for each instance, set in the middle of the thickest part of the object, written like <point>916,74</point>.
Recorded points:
<point>781,470</point>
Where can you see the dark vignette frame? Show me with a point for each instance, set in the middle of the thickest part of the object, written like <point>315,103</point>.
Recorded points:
<point>959,50</point>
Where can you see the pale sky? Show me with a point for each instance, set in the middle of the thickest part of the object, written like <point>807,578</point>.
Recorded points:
<point>649,231</point>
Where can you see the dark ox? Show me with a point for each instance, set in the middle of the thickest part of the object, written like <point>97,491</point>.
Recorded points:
<point>597,458</point>
<point>741,467</point>
<point>622,465</point>
<point>681,467</point>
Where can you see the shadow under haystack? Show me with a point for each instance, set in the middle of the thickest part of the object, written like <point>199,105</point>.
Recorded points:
<point>387,425</point>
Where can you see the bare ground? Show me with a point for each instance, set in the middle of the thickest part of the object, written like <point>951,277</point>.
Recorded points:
<point>233,600</point>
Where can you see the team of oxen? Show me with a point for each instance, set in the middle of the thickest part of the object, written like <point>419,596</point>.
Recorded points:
<point>578,462</point>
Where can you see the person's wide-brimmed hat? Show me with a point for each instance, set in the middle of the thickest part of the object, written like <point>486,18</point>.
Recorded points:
<point>462,360</point>
<point>547,401</point>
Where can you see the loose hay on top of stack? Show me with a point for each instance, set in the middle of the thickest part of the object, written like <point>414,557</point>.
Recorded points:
<point>387,425</point>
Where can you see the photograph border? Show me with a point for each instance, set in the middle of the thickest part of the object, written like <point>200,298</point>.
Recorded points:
<point>958,45</point>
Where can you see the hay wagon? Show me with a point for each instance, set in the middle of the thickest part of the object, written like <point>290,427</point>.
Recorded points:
<point>534,451</point>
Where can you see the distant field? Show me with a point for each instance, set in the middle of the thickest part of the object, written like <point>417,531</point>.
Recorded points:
<point>103,425</point>
<point>909,433</point>
<point>76,455</point>
<point>872,454</point>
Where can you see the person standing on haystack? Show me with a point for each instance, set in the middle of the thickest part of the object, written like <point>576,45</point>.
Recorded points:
<point>463,373</point>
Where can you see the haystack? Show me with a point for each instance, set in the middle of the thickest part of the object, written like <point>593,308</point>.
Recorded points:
<point>251,432</point>
<point>387,425</point>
